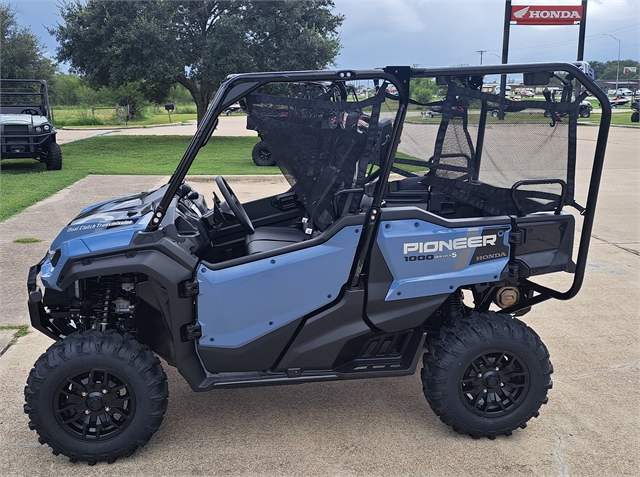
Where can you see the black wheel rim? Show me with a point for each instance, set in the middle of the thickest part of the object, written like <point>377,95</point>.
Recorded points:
<point>494,384</point>
<point>265,155</point>
<point>94,404</point>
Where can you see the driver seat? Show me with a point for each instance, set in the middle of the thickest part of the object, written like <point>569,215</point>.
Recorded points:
<point>268,238</point>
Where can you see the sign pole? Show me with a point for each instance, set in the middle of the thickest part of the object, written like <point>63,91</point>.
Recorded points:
<point>507,27</point>
<point>505,54</point>
<point>583,29</point>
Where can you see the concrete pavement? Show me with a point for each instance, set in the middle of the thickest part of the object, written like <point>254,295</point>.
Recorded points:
<point>590,427</point>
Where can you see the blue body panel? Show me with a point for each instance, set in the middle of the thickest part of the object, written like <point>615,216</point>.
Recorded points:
<point>240,304</point>
<point>107,240</point>
<point>427,259</point>
<point>106,226</point>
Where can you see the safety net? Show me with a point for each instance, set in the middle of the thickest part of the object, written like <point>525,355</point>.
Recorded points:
<point>321,143</point>
<point>499,155</point>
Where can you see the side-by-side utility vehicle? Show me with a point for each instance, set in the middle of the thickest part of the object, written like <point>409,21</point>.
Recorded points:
<point>401,240</point>
<point>25,123</point>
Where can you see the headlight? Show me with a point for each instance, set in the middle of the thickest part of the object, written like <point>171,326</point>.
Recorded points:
<point>47,127</point>
<point>38,129</point>
<point>54,256</point>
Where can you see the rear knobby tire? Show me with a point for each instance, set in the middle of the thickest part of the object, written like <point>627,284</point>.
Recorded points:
<point>53,159</point>
<point>463,386</point>
<point>261,155</point>
<point>96,396</point>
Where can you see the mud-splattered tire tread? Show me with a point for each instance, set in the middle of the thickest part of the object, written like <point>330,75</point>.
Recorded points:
<point>453,350</point>
<point>148,379</point>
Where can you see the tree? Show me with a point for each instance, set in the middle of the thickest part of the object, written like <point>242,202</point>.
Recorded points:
<point>425,90</point>
<point>193,43</point>
<point>65,90</point>
<point>607,70</point>
<point>22,51</point>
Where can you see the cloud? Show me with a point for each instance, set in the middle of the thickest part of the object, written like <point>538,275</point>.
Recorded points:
<point>442,33</point>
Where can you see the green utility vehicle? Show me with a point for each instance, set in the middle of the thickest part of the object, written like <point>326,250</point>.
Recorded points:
<point>25,123</point>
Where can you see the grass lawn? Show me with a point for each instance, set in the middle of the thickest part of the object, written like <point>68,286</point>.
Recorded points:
<point>24,182</point>
<point>164,119</point>
<point>617,118</point>
<point>79,116</point>
<point>150,121</point>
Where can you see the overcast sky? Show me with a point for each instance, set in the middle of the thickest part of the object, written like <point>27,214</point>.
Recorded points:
<point>442,32</point>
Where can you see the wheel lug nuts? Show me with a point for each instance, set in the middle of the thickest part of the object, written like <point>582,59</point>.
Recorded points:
<point>104,391</point>
<point>87,412</point>
<point>107,409</point>
<point>501,385</point>
<point>484,390</point>
<point>497,369</point>
<point>84,394</point>
<point>479,375</point>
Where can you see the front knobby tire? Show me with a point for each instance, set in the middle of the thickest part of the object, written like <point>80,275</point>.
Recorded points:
<point>96,396</point>
<point>53,159</point>
<point>487,375</point>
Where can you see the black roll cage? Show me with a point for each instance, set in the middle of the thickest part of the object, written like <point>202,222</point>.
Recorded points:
<point>238,86</point>
<point>43,94</point>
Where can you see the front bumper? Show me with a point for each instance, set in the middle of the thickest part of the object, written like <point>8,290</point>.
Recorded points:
<point>41,320</point>
<point>15,146</point>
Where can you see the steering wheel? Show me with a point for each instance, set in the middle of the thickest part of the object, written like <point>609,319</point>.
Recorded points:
<point>30,111</point>
<point>235,205</point>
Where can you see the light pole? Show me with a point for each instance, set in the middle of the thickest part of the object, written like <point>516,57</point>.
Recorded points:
<point>618,69</point>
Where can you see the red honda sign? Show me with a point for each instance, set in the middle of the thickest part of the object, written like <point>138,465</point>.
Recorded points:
<point>546,15</point>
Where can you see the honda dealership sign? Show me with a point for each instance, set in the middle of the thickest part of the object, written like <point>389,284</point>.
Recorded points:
<point>546,15</point>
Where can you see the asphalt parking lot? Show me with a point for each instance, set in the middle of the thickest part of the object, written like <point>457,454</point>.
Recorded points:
<point>384,427</point>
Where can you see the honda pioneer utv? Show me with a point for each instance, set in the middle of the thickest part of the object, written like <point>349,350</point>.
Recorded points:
<point>25,123</point>
<point>399,239</point>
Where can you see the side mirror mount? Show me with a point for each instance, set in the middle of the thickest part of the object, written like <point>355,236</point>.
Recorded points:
<point>539,78</point>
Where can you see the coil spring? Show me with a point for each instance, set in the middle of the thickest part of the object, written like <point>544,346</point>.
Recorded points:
<point>106,294</point>
<point>452,307</point>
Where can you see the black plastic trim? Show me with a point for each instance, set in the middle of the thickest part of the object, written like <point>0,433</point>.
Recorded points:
<point>416,213</point>
<point>337,226</point>
<point>254,379</point>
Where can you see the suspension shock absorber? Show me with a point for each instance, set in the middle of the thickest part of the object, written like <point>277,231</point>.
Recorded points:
<point>452,308</point>
<point>106,294</point>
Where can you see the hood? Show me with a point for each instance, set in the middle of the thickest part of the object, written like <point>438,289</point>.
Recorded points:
<point>23,119</point>
<point>97,225</point>
<point>106,226</point>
